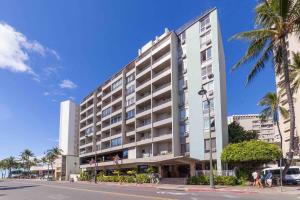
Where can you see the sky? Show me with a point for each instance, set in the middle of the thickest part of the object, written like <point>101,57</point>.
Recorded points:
<point>55,50</point>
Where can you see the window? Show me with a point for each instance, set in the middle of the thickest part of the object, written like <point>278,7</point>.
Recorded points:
<point>207,145</point>
<point>209,86</point>
<point>182,36</point>
<point>130,114</point>
<point>183,100</point>
<point>129,102</point>
<point>182,67</point>
<point>116,142</point>
<point>206,55</point>
<point>205,39</point>
<point>206,71</point>
<point>89,130</point>
<point>184,113</point>
<point>116,84</point>
<point>125,153</point>
<point>206,123</point>
<point>204,24</point>
<point>184,129</point>
<point>182,83</point>
<point>130,90</point>
<point>106,112</point>
<point>185,148</point>
<point>130,78</point>
<point>116,119</point>
<point>205,106</point>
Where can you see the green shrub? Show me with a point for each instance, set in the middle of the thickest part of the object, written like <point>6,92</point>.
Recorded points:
<point>142,178</point>
<point>85,176</point>
<point>218,180</point>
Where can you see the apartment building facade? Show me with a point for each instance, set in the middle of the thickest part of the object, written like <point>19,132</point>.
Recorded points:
<point>150,113</point>
<point>266,130</point>
<point>293,44</point>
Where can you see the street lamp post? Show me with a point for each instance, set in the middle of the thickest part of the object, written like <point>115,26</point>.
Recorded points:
<point>203,92</point>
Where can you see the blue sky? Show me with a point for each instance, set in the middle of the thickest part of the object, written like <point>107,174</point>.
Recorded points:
<point>72,46</point>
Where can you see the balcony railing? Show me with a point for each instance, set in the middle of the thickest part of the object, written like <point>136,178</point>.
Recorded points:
<point>160,72</point>
<point>161,87</point>
<point>161,57</point>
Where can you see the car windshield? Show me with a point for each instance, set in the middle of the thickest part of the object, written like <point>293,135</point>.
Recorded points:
<point>293,171</point>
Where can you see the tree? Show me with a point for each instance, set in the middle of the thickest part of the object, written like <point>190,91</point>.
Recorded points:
<point>275,21</point>
<point>52,155</point>
<point>26,157</point>
<point>250,155</point>
<point>271,102</point>
<point>237,133</point>
<point>11,163</point>
<point>3,167</point>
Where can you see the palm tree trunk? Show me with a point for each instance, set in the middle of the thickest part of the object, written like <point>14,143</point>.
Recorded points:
<point>280,135</point>
<point>289,95</point>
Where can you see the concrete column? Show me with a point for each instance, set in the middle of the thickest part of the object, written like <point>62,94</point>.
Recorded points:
<point>193,169</point>
<point>160,171</point>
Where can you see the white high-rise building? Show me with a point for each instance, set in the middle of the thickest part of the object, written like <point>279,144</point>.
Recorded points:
<point>68,162</point>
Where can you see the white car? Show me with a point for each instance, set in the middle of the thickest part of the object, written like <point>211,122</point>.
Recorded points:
<point>292,176</point>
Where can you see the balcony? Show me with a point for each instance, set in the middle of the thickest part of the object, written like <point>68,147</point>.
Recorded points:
<point>144,126</point>
<point>143,71</point>
<point>161,74</point>
<point>162,137</point>
<point>143,111</point>
<point>162,89</point>
<point>164,58</point>
<point>162,104</point>
<point>143,97</point>
<point>143,84</point>
<point>163,121</point>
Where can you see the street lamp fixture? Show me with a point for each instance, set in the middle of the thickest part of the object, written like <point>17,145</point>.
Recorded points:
<point>203,92</point>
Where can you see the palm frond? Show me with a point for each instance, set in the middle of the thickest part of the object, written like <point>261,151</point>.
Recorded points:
<point>284,112</point>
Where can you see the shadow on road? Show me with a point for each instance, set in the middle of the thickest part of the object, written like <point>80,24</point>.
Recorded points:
<point>16,187</point>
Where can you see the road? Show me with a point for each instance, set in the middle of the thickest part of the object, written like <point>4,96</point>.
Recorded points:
<point>43,190</point>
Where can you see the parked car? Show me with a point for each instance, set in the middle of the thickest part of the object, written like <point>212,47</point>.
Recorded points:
<point>292,176</point>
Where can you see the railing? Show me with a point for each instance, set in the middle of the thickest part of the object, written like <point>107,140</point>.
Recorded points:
<point>143,109</point>
<point>162,71</point>
<point>143,69</point>
<point>143,96</point>
<point>161,57</point>
<point>162,102</point>
<point>142,83</point>
<point>161,87</point>
<point>144,124</point>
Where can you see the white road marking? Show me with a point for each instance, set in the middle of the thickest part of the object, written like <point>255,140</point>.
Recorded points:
<point>58,197</point>
<point>173,193</point>
<point>230,196</point>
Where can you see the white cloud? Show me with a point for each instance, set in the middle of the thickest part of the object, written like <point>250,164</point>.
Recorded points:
<point>46,93</point>
<point>68,84</point>
<point>15,49</point>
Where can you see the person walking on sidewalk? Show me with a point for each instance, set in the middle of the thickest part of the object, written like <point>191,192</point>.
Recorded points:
<point>254,176</point>
<point>268,179</point>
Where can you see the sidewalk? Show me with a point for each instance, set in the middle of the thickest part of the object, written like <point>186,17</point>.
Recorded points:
<point>206,188</point>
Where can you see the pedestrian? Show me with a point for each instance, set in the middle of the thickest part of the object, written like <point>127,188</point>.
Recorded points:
<point>259,180</point>
<point>254,176</point>
<point>157,177</point>
<point>268,179</point>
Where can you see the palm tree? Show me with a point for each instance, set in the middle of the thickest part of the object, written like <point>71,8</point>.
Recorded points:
<point>275,20</point>
<point>271,102</point>
<point>295,72</point>
<point>52,155</point>
<point>11,163</point>
<point>26,156</point>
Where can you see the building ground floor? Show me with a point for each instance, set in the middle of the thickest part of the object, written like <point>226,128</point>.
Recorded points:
<point>167,167</point>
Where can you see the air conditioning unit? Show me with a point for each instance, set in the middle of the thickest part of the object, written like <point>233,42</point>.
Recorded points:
<point>182,41</point>
<point>208,42</point>
<point>163,152</point>
<point>187,153</point>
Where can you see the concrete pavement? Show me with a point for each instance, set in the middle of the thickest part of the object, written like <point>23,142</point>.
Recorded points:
<point>40,190</point>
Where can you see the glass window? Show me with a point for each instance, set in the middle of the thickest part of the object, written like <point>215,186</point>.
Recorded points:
<point>106,112</point>
<point>206,71</point>
<point>130,114</point>
<point>206,55</point>
<point>204,24</point>
<point>184,113</point>
<point>125,153</point>
<point>116,142</point>
<point>116,84</point>
<point>205,106</point>
<point>130,78</point>
<point>130,90</point>
<point>130,101</point>
<point>116,119</point>
<point>207,145</point>
<point>183,100</point>
<point>206,123</point>
<point>205,38</point>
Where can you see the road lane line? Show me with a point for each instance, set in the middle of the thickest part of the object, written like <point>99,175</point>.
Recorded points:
<point>104,192</point>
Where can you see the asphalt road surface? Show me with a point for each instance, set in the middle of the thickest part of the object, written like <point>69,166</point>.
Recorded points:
<point>43,190</point>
